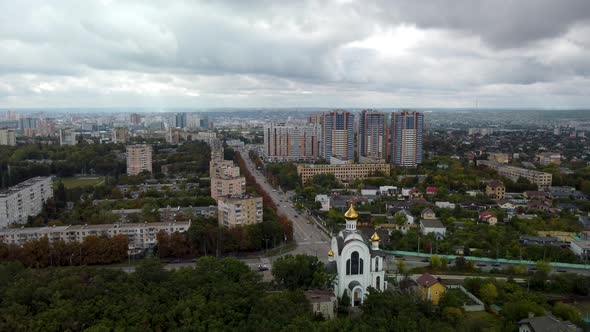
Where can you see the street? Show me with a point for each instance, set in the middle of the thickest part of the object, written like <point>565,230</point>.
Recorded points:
<point>309,238</point>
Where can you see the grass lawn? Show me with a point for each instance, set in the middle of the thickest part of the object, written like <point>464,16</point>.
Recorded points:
<point>481,321</point>
<point>80,181</point>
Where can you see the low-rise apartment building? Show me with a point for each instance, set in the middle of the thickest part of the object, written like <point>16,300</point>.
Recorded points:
<point>342,173</point>
<point>141,235</point>
<point>495,190</point>
<point>25,199</point>
<point>541,179</point>
<point>239,210</point>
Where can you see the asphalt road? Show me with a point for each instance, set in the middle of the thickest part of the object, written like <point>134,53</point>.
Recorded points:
<point>309,238</point>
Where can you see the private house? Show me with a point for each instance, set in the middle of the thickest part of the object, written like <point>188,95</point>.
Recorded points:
<point>495,190</point>
<point>323,303</point>
<point>407,214</point>
<point>488,217</point>
<point>534,195</point>
<point>546,324</point>
<point>431,191</point>
<point>427,213</point>
<point>429,288</point>
<point>444,205</point>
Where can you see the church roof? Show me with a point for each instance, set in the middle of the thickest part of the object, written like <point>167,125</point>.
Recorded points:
<point>353,284</point>
<point>351,214</point>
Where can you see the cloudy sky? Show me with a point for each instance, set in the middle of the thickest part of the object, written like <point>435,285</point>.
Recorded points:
<point>406,53</point>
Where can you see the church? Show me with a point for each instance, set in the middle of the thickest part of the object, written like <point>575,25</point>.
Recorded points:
<point>358,261</point>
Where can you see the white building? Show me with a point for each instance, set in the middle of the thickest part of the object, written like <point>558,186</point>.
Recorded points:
<point>444,205</point>
<point>25,199</point>
<point>358,262</point>
<point>324,200</point>
<point>141,236</point>
<point>581,248</point>
<point>435,226</point>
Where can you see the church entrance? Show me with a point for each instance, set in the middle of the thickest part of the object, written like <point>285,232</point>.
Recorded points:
<point>357,297</point>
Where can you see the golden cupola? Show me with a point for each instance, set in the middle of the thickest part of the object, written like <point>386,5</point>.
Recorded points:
<point>375,237</point>
<point>330,253</point>
<point>351,214</point>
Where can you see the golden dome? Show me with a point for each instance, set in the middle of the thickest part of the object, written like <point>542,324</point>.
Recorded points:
<point>330,253</point>
<point>375,237</point>
<point>351,214</point>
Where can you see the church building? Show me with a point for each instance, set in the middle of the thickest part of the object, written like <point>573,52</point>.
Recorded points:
<point>359,262</point>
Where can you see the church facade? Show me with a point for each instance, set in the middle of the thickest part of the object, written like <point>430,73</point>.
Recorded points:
<point>358,261</point>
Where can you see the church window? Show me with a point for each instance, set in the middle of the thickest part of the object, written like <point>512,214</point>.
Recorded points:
<point>376,264</point>
<point>378,283</point>
<point>355,264</point>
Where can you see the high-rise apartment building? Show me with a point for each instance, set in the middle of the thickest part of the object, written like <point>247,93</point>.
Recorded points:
<point>180,120</point>
<point>8,136</point>
<point>371,138</point>
<point>135,118</point>
<point>290,142</point>
<point>67,136</point>
<point>25,199</point>
<point>239,210</point>
<point>406,138</point>
<point>337,135</point>
<point>120,135</point>
<point>27,123</point>
<point>139,158</point>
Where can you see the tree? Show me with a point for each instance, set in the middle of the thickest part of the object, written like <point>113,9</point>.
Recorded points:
<point>488,293</point>
<point>401,266</point>
<point>544,267</point>
<point>567,312</point>
<point>301,271</point>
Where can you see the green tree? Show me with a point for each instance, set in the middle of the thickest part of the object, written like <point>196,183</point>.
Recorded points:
<point>488,293</point>
<point>567,312</point>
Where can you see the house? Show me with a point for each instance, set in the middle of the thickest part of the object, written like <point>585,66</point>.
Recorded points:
<point>536,195</point>
<point>396,206</point>
<point>388,190</point>
<point>323,303</point>
<point>473,193</point>
<point>546,324</point>
<point>368,192</point>
<point>538,240</point>
<point>581,248</point>
<point>495,190</point>
<point>506,204</point>
<point>427,214</point>
<point>429,288</point>
<point>431,191</point>
<point>567,207</point>
<point>488,217</point>
<point>539,206</point>
<point>444,205</point>
<point>408,215</point>
<point>415,194</point>
<point>585,220</point>
<point>433,226</point>
<point>324,201</point>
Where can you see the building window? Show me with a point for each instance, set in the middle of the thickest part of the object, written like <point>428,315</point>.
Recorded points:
<point>376,264</point>
<point>378,283</point>
<point>354,265</point>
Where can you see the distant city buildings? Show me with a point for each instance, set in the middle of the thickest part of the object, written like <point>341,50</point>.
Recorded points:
<point>8,136</point>
<point>180,120</point>
<point>139,159</point>
<point>406,138</point>
<point>239,210</point>
<point>289,142</point>
<point>343,173</point>
<point>135,118</point>
<point>24,200</point>
<point>372,138</point>
<point>120,135</point>
<point>67,136</point>
<point>541,179</point>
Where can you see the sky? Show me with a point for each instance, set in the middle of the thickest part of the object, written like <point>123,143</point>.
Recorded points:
<point>263,53</point>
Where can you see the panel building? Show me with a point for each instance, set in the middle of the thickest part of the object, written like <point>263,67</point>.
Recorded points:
<point>67,136</point>
<point>289,142</point>
<point>342,173</point>
<point>541,179</point>
<point>239,210</point>
<point>406,138</point>
<point>371,138</point>
<point>140,236</point>
<point>139,159</point>
<point>8,136</point>
<point>120,135</point>
<point>337,135</point>
<point>25,199</point>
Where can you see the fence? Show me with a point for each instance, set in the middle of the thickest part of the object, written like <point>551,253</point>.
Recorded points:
<point>479,306</point>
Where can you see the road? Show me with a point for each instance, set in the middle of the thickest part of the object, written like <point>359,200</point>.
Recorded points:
<point>309,238</point>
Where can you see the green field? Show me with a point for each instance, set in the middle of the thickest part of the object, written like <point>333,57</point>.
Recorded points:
<point>80,182</point>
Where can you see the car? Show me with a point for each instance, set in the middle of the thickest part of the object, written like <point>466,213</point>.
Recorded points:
<point>496,265</point>
<point>425,260</point>
<point>532,268</point>
<point>296,216</point>
<point>481,264</point>
<point>561,271</point>
<point>262,267</point>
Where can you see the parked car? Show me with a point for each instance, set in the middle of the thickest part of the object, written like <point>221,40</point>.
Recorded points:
<point>262,267</point>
